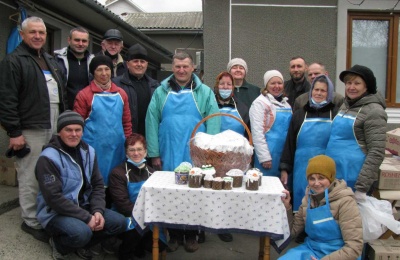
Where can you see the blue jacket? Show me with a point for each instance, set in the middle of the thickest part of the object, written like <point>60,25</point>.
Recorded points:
<point>60,180</point>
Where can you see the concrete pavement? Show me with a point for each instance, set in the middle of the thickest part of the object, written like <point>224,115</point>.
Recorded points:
<point>16,244</point>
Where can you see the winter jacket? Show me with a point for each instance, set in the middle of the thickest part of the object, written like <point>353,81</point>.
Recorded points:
<point>126,84</point>
<point>62,60</point>
<point>206,104</point>
<point>25,100</point>
<point>293,90</point>
<point>60,179</point>
<point>344,210</point>
<point>246,93</point>
<point>370,132</point>
<point>83,104</point>
<point>118,182</point>
<point>262,116</point>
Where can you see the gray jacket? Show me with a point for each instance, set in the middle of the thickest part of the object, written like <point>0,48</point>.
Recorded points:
<point>370,131</point>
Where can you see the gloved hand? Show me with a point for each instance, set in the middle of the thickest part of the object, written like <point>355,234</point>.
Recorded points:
<point>360,196</point>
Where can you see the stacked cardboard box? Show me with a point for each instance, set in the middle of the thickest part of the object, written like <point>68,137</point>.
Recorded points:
<point>8,173</point>
<point>384,249</point>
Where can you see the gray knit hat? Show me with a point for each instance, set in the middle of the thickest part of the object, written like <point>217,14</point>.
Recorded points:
<point>69,117</point>
<point>237,61</point>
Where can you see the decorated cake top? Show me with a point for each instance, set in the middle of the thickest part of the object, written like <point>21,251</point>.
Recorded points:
<point>228,179</point>
<point>208,177</point>
<point>207,169</point>
<point>235,172</point>
<point>254,170</point>
<point>183,167</point>
<point>252,175</point>
<point>195,171</point>
<point>218,179</point>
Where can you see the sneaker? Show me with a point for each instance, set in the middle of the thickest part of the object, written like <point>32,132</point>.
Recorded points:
<point>55,254</point>
<point>39,234</point>
<point>84,253</point>
<point>227,237</point>
<point>173,245</point>
<point>191,245</point>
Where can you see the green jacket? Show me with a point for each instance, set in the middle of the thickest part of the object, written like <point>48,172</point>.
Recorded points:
<point>206,104</point>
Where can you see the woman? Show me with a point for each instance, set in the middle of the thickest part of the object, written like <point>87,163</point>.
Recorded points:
<point>125,182</point>
<point>308,135</point>
<point>270,116</point>
<point>228,104</point>
<point>357,140</point>
<point>328,213</point>
<point>105,108</point>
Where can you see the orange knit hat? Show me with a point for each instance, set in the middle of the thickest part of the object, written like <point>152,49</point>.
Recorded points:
<point>323,165</point>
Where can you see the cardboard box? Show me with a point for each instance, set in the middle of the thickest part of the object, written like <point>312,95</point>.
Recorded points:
<point>384,249</point>
<point>393,141</point>
<point>389,174</point>
<point>8,173</point>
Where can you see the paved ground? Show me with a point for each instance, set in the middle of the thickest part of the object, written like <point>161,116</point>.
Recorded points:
<point>18,245</point>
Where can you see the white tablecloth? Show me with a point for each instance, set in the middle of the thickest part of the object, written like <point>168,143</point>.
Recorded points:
<point>164,203</point>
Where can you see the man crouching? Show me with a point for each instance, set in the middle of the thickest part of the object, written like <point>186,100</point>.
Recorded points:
<point>71,200</point>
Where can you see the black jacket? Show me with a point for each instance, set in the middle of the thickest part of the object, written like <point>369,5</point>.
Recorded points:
<point>126,84</point>
<point>293,90</point>
<point>25,100</point>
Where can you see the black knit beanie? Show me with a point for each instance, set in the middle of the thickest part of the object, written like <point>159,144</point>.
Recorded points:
<point>137,51</point>
<point>100,60</point>
<point>365,73</point>
<point>69,117</point>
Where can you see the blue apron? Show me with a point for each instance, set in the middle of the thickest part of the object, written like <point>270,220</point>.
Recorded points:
<point>276,137</point>
<point>104,131</point>
<point>344,149</point>
<point>178,119</point>
<point>228,123</point>
<point>324,234</point>
<point>311,141</point>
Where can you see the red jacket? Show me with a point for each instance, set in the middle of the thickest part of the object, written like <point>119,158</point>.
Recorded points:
<point>83,104</point>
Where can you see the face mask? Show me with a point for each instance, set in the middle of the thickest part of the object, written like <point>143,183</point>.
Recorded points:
<point>321,103</point>
<point>225,93</point>
<point>137,164</point>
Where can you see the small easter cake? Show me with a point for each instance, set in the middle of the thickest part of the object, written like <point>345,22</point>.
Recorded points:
<point>207,181</point>
<point>256,170</point>
<point>217,183</point>
<point>182,173</point>
<point>237,176</point>
<point>195,177</point>
<point>228,183</point>
<point>207,169</point>
<point>252,180</point>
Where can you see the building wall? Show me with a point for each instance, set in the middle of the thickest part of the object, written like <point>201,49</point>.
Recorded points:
<point>267,35</point>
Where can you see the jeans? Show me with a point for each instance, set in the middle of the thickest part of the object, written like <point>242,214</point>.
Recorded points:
<point>70,234</point>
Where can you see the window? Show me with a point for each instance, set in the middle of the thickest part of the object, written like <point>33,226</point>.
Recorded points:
<point>373,42</point>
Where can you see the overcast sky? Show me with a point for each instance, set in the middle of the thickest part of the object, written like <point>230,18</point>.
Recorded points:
<point>153,6</point>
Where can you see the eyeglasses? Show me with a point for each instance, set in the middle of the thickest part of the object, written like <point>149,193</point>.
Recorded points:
<point>132,150</point>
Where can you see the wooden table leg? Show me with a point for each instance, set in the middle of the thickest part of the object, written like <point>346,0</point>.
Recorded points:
<point>156,235</point>
<point>264,253</point>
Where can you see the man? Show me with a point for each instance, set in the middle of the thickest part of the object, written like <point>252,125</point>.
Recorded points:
<point>32,89</point>
<point>176,107</point>
<point>315,69</point>
<point>244,91</point>
<point>112,45</point>
<point>138,86</point>
<point>74,62</point>
<point>71,204</point>
<point>298,83</point>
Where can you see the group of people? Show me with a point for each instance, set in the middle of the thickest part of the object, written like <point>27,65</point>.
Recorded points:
<point>85,167</point>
